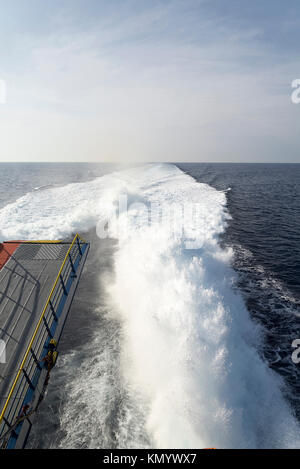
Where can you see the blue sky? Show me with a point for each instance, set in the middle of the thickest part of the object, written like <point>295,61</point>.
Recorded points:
<point>192,80</point>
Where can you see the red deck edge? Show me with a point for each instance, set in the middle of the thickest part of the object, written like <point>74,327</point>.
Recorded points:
<point>7,250</point>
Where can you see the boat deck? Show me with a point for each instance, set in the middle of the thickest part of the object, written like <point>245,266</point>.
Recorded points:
<point>25,283</point>
<point>38,280</point>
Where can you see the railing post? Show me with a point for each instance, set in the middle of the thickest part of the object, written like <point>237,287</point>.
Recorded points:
<point>28,379</point>
<point>63,285</point>
<point>13,433</point>
<point>72,265</point>
<point>47,328</point>
<point>53,311</point>
<point>79,247</point>
<point>35,359</point>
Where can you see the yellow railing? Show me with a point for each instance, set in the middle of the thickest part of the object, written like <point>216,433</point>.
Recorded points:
<point>46,241</point>
<point>38,326</point>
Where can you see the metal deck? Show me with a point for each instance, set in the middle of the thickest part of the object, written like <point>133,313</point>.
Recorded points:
<point>35,283</point>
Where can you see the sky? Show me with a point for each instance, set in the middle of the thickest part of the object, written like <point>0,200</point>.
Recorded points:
<point>149,80</point>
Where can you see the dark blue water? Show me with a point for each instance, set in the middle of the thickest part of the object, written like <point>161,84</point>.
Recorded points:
<point>264,231</point>
<point>264,202</point>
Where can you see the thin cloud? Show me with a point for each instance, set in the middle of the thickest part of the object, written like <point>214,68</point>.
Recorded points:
<point>168,82</point>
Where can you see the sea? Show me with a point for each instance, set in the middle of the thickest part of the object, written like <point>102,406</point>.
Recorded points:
<point>183,327</point>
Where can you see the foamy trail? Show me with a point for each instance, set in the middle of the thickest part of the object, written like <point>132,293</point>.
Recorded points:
<point>189,349</point>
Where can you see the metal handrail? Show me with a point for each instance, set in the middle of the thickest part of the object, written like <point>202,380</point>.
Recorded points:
<point>38,326</point>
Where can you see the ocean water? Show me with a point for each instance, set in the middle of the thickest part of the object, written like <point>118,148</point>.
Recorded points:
<point>176,338</point>
<point>264,232</point>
